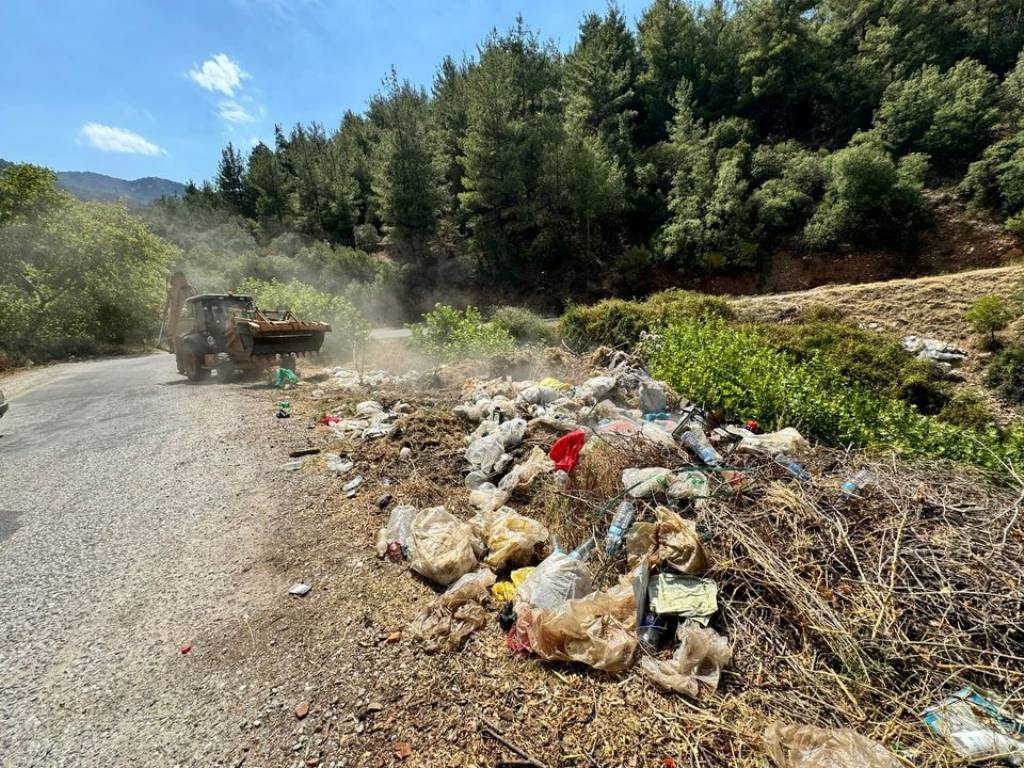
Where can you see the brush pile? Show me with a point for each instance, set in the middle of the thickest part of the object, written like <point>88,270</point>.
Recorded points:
<point>843,611</point>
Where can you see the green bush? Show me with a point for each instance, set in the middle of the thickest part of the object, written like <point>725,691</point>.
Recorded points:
<point>867,358</point>
<point>350,330</point>
<point>988,315</point>
<point>966,409</point>
<point>734,369</point>
<point>524,326</point>
<point>1006,373</point>
<point>619,323</point>
<point>450,334</point>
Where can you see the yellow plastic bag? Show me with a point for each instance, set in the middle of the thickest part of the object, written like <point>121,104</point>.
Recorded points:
<point>510,537</point>
<point>504,591</point>
<point>551,381</point>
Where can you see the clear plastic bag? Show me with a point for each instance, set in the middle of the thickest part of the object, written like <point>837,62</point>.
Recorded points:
<point>441,546</point>
<point>670,541</point>
<point>805,746</point>
<point>399,528</point>
<point>522,475</point>
<point>598,630</point>
<point>455,614</point>
<point>696,665</point>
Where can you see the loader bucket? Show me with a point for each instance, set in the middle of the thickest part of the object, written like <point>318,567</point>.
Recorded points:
<point>273,333</point>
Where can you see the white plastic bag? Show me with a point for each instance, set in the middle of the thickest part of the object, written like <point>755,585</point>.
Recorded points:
<point>487,497</point>
<point>485,453</point>
<point>522,475</point>
<point>596,388</point>
<point>556,579</point>
<point>441,546</point>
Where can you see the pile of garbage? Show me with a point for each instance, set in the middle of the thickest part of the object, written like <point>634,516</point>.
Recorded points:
<point>618,526</point>
<point>371,420</point>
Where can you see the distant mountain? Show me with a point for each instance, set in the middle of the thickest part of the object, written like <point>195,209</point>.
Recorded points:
<point>95,186</point>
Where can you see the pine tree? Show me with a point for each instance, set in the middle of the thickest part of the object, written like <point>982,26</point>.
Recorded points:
<point>230,184</point>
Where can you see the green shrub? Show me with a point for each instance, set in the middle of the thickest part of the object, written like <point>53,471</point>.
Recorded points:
<point>988,315</point>
<point>619,323</point>
<point>1006,373</point>
<point>450,334</point>
<point>867,358</point>
<point>350,330</point>
<point>524,326</point>
<point>966,409</point>
<point>733,369</point>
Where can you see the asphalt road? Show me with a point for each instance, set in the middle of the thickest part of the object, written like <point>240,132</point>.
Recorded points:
<point>133,508</point>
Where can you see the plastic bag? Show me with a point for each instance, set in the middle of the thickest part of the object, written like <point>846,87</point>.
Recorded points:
<point>598,630</point>
<point>805,746</point>
<point>369,408</point>
<point>522,475</point>
<point>670,541</point>
<point>556,579</point>
<point>505,591</point>
<point>646,481</point>
<point>696,665</point>
<point>566,450</point>
<point>786,440</point>
<point>653,398</point>
<point>538,395</point>
<point>453,615</point>
<point>510,433</point>
<point>510,537</point>
<point>488,497</point>
<point>485,453</point>
<point>441,546</point>
<point>689,484</point>
<point>596,388</point>
<point>399,528</point>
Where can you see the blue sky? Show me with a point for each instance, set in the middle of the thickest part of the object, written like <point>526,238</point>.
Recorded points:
<point>137,88</point>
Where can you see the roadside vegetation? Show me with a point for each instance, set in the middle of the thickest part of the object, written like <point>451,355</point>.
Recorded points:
<point>76,278</point>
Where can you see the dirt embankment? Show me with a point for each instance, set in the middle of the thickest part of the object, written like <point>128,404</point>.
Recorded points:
<point>958,242</point>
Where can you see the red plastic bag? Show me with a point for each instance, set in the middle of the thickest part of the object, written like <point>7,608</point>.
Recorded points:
<point>566,450</point>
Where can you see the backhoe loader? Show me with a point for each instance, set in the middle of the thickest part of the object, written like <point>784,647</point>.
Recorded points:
<point>226,332</point>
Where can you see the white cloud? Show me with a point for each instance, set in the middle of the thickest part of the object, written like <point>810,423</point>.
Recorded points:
<point>219,73</point>
<point>111,139</point>
<point>234,112</point>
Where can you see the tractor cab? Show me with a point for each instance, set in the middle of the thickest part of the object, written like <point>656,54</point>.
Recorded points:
<point>212,317</point>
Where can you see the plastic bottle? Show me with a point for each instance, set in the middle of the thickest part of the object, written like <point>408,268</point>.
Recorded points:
<point>584,550</point>
<point>651,631</point>
<point>852,486</point>
<point>792,466</point>
<point>620,524</point>
<point>697,442</point>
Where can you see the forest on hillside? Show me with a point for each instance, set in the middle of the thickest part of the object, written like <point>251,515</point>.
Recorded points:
<point>696,140</point>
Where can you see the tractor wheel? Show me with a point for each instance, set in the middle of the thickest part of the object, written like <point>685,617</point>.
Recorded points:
<point>194,367</point>
<point>225,371</point>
